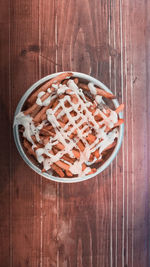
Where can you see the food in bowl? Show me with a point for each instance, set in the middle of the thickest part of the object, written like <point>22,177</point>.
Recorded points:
<point>68,127</point>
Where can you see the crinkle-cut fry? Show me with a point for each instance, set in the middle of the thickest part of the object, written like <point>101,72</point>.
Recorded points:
<point>91,123</point>
<point>48,127</point>
<point>67,104</point>
<point>43,170</point>
<point>118,123</point>
<point>69,127</point>
<point>74,99</point>
<point>76,153</point>
<point>28,146</point>
<point>30,109</point>
<point>110,146</point>
<point>104,153</point>
<point>44,139</point>
<point>47,132</point>
<point>35,112</point>
<point>75,130</point>
<point>88,98</point>
<point>76,80</point>
<point>48,84</point>
<point>64,82</point>
<point>95,104</point>
<point>35,105</point>
<point>91,158</point>
<point>38,145</point>
<point>83,166</point>
<point>68,158</point>
<point>64,118</point>
<point>43,117</point>
<point>55,104</point>
<point>33,97</point>
<point>55,150</point>
<point>90,138</point>
<point>58,170</point>
<point>36,124</point>
<point>61,96</point>
<point>58,111</point>
<point>73,113</point>
<point>103,93</point>
<point>77,121</point>
<point>39,115</point>
<point>80,145</point>
<point>92,110</point>
<point>59,78</point>
<point>86,130</point>
<point>34,138</point>
<point>119,109</point>
<point>99,91</point>
<point>85,123</point>
<point>83,86</point>
<point>42,112</point>
<point>68,173</point>
<point>62,124</point>
<point>99,160</point>
<point>62,165</point>
<point>59,146</point>
<point>98,117</point>
<point>72,135</point>
<point>96,153</point>
<point>92,171</point>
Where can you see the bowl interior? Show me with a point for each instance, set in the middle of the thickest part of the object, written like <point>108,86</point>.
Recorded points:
<point>34,164</point>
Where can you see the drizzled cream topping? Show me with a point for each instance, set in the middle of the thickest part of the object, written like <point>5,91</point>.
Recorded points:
<point>29,127</point>
<point>82,121</point>
<point>92,88</point>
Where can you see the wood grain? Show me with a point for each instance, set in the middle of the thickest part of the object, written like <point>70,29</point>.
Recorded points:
<point>105,221</point>
<point>5,138</point>
<point>25,193</point>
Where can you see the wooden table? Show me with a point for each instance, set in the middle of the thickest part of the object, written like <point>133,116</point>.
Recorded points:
<point>105,221</point>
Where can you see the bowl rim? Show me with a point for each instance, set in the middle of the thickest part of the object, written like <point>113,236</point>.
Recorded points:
<point>19,145</point>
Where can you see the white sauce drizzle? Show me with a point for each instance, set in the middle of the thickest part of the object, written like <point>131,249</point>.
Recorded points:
<point>98,99</point>
<point>92,88</point>
<point>29,128</point>
<point>39,101</point>
<point>102,140</point>
<point>46,102</point>
<point>55,86</point>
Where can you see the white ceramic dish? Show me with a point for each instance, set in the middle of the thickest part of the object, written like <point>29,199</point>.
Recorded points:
<point>37,169</point>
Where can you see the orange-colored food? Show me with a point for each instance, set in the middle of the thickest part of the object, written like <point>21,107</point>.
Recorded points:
<point>76,127</point>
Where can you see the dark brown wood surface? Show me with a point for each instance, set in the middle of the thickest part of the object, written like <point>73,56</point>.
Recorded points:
<point>105,221</point>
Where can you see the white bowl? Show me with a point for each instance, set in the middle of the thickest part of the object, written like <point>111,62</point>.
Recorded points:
<point>37,169</point>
